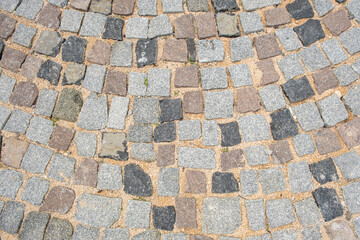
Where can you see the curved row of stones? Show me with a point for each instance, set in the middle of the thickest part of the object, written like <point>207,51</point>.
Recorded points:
<point>262,146</point>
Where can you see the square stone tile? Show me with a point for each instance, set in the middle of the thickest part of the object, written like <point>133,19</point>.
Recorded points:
<point>187,77</point>
<point>175,50</point>
<point>231,159</point>
<point>227,25</point>
<point>137,27</point>
<point>199,158</point>
<point>240,75</point>
<point>228,6</point>
<point>249,182</point>
<point>241,48</point>
<point>327,141</point>
<point>11,182</point>
<point>307,211</point>
<point>247,100</point>
<point>193,102</point>
<point>337,22</point>
<point>171,110</point>
<point>13,152</point>
<point>308,116</point>
<point>351,99</point>
<point>61,168</point>
<point>4,116</point>
<point>18,121</point>
<point>80,4</point>
<point>40,130</point>
<point>159,82</point>
<point>276,17</point>
<point>324,171</point>
<point>165,155</point>
<point>224,183</point>
<point>93,24</point>
<point>219,104</point>
<point>140,133</point>
<point>325,79</point>
<point>59,199</point>
<point>30,67</point>
<point>85,144</point>
<point>205,24</point>
<point>340,229</point>
<point>328,202</point>
<point>94,78</point>
<point>210,51</point>
<point>279,212</point>
<point>46,102</point>
<point>49,17</point>
<point>272,98</point>
<point>313,58</point>
<point>195,182</point>
<point>99,53</point>
<point>116,83</point>
<point>257,155</point>
<point>61,138</point>
<point>24,94</point>
<point>86,173</point>
<point>137,85</point>
<point>160,26</point>
<point>323,7</point>
<point>121,54</point>
<point>285,234</point>
<point>49,43</point>
<point>213,78</point>
<point>35,190</point>
<point>71,20</point>
<point>50,71</point>
<point>124,7</point>
<point>7,26</point>
<point>29,9</point>
<point>9,5</point>
<point>69,105</point>
<point>165,132</point>
<point>189,130</point>
<point>300,9</point>
<point>345,74</point>
<point>291,66</point>
<point>281,151</point>
<point>24,35</point>
<point>168,182</point>
<point>170,6</point>
<point>138,214</point>
<point>197,5</point>
<point>272,180</point>
<point>185,26</point>
<point>230,135</point>
<point>210,133</point>
<point>12,216</point>
<point>282,124</point>
<point>82,232</point>
<point>109,177</point>
<point>299,177</point>
<point>268,72</point>
<point>254,128</point>
<point>74,74</point>
<point>267,46</point>
<point>349,164</point>
<point>334,51</point>
<point>12,59</point>
<point>350,40</point>
<point>288,39</point>
<point>36,159</point>
<point>147,8</point>
<point>256,215</point>
<point>101,6</point>
<point>350,192</point>
<point>146,110</point>
<point>250,22</point>
<point>303,144</point>
<point>310,32</point>
<point>332,110</point>
<point>350,133</point>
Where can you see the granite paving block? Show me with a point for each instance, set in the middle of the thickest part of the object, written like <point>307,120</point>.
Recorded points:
<point>137,27</point>
<point>164,217</point>
<point>328,202</point>
<point>291,66</point>
<point>143,152</point>
<point>99,53</point>
<point>227,25</point>
<point>349,133</point>
<point>136,181</point>
<point>205,24</point>
<point>310,32</point>
<point>59,199</point>
<point>350,40</point>
<point>138,214</point>
<point>6,87</point>
<point>74,74</point>
<point>140,133</point>
<point>36,159</point>
<point>337,22</point>
<point>40,130</point>
<point>193,102</point>
<point>165,132</point>
<point>345,74</point>
<point>332,110</point>
<point>224,182</point>
<point>160,26</point>
<point>80,4</point>
<point>61,168</point>
<point>18,121</point>
<point>165,155</point>
<point>30,67</point>
<point>50,71</point>
<point>282,124</point>
<point>146,52</point>
<point>86,173</point>
<point>340,229</point>
<point>113,233</point>
<point>327,141</point>
<point>267,46</point>
<point>196,158</point>
<point>137,85</point>
<point>241,48</point>
<point>285,234</point>
<point>195,182</point>
<point>272,98</point>
<point>299,177</point>
<point>307,211</point>
<point>9,5</point>
<point>24,94</point>
<point>185,26</point>
<point>49,43</point>
<point>147,8</point>
<point>221,215</point>
<point>29,8</point>
<point>249,182</point>
<point>210,51</point>
<point>353,8</point>
<point>93,115</point>
<point>113,145</point>
<point>174,236</point>
<point>349,164</point>
<point>254,128</point>
<point>300,9</point>
<point>230,135</point>
<point>210,133</point>
<point>12,216</point>
<point>159,82</point>
<point>250,5</point>
<point>322,7</point>
<point>168,182</point>
<point>351,99</point>
<point>101,6</point>
<point>58,228</point>
<point>146,110</point>
<point>256,214</point>
<point>313,58</point>
<point>109,177</point>
<point>118,112</point>
<point>324,171</point>
<point>12,59</point>
<point>240,75</point>
<point>251,22</point>
<point>170,6</point>
<point>197,5</point>
<point>276,17</point>
<point>151,234</point>
<point>247,100</point>
<point>189,130</point>
<point>34,225</point>
<point>4,116</point>
<point>82,232</point>
<point>303,144</point>
<point>73,50</point>
<point>59,3</point>
<point>24,35</point>
<point>288,39</point>
<point>279,212</point>
<point>225,6</point>
<point>49,17</point>
<point>272,180</point>
<point>351,193</point>
<point>69,105</point>
<point>94,78</point>
<point>11,181</point>
<point>213,78</point>
<point>61,138</point>
<point>325,79</point>
<point>121,54</point>
<point>175,50</point>
<point>219,104</point>
<point>71,21</point>
<point>93,24</point>
<point>308,116</point>
<point>231,159</point>
<point>257,155</point>
<point>334,51</point>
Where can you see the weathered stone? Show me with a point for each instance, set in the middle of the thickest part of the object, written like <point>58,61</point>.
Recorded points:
<point>50,71</point>
<point>224,182</point>
<point>164,217</point>
<point>267,46</point>
<point>87,172</point>
<point>340,229</point>
<point>328,202</point>
<point>136,181</point>
<point>61,138</point>
<point>49,43</point>
<point>146,52</point>
<point>281,151</point>
<point>230,135</point>
<point>94,113</point>
<point>69,105</point>
<point>24,94</point>
<point>196,158</point>
<point>123,7</point>
<point>36,159</point>
<point>165,132</point>
<point>74,74</point>
<point>12,59</point>
<point>195,182</point>
<point>283,125</point>
<point>58,229</point>
<point>101,6</point>
<point>34,225</point>
<point>327,141</point>
<point>99,53</point>
<point>116,83</point>
<point>73,49</point>
<point>11,217</point>
<point>175,50</point>
<point>49,17</point>
<point>185,212</point>
<point>7,26</point>
<point>184,26</point>
<point>10,183</point>
<point>59,199</point>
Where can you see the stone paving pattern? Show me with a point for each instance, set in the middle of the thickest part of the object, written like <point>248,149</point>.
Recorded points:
<point>180,119</point>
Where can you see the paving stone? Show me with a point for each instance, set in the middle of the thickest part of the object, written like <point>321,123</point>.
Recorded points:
<point>196,158</point>
<point>230,135</point>
<point>18,121</point>
<point>334,51</point>
<point>219,104</point>
<point>101,6</point>
<point>350,40</point>
<point>143,152</point>
<point>113,146</point>
<point>93,24</point>
<point>225,6</point>
<point>165,155</point>
<point>4,116</point>
<point>351,99</point>
<point>210,133</point>
<point>249,182</point>
<point>308,116</point>
<point>174,236</point>
<point>13,152</point>
<point>185,27</point>
<point>171,109</point>
<point>349,164</point>
<point>109,177</point>
<point>312,233</point>
<point>187,77</point>
<point>356,65</point>
<point>61,168</point>
<point>227,25</point>
<point>50,71</point>
<point>58,229</point>
<point>272,180</point>
<point>137,85</point>
<point>268,72</point>
<point>231,159</point>
<point>98,211</point>
<point>247,100</point>
<point>159,26</point>
<point>165,132</point>
<point>10,181</point>
<point>332,110</point>
<point>205,24</point>
<point>356,225</point>
<point>291,66</point>
<point>254,128</point>
<point>240,75</point>
<point>59,3</point>
<point>288,39</point>
<point>138,214</point>
<point>49,17</point>
<point>146,52</point>
<point>24,94</point>
<point>256,214</point>
<point>213,78</point>
<point>71,20</point>
<point>340,229</point>
<point>193,102</point>
<point>349,133</point>
<point>267,46</point>
<point>12,59</point>
<point>168,182</point>
<point>116,233</point>
<point>94,78</point>
<point>73,49</point>
<point>276,17</point>
<point>82,232</point>
<point>147,8</point>
<point>30,67</point>
<point>99,53</point>
<point>150,234</point>
<point>257,155</point>
<point>137,27</point>
<point>299,177</point>
<point>221,215</point>
<point>307,211</point>
<point>146,110</point>
<point>224,182</point>
<point>351,192</point>
<point>36,159</point>
<point>123,7</point>
<point>175,50</point>
<point>24,35</point>
<point>80,4</point>
<point>337,22</point>
<point>251,22</point>
<point>49,43</point>
<point>283,125</point>
<point>113,29</point>
<point>313,58</point>
<point>9,5</point>
<point>140,133</point>
<point>29,9</point>
<point>136,181</point>
<point>118,112</point>
<point>170,6</point>
<point>345,74</point>
<point>328,202</point>
<point>323,7</point>
<point>303,144</point>
<point>281,151</point>
<point>279,212</point>
<point>324,171</point>
<point>34,225</point>
<point>93,115</point>
<point>195,182</point>
<point>197,5</point>
<point>59,199</point>
<point>325,79</point>
<point>12,216</point>
<point>326,141</point>
<point>272,98</point>
<point>250,5</point>
<point>285,234</point>
<point>164,217</point>
<point>121,54</point>
<point>310,32</point>
<point>74,74</point>
<point>69,105</point>
<point>353,9</point>
<point>191,47</point>
<point>210,51</point>
<point>300,9</point>
<point>86,173</point>
<point>189,130</point>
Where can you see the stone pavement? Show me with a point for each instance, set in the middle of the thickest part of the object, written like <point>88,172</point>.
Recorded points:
<point>180,119</point>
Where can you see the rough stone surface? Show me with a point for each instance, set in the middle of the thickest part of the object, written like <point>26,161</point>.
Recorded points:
<point>303,144</point>
<point>325,79</point>
<point>93,24</point>
<point>164,217</point>
<point>334,51</point>
<point>99,53</point>
<point>249,182</point>
<point>86,173</point>
<point>140,133</point>
<point>299,177</point>
<point>350,192</point>
<point>227,25</point>
<point>327,141</point>
<point>40,130</point>
<point>24,35</point>
<point>340,229</point>
<point>11,181</point>
<point>74,74</point>
<point>241,48</point>
<point>349,133</point>
<point>279,212</point>
<point>34,225</point>
<point>58,229</point>
<point>138,214</point>
<point>82,232</point>
<point>272,98</point>
<point>69,105</point>
<point>267,46</point>
<point>345,74</point>
<point>196,158</point>
<point>49,43</point>
<point>224,183</point>
<point>307,211</point>
<point>257,155</point>
<point>256,214</point>
<point>143,152</point>
<point>272,180</point>
<point>288,39</point>
<point>350,40</point>
<point>328,202</point>
<point>210,51</point>
<point>109,177</point>
<point>136,181</point>
<point>121,54</point>
<point>300,9</point>
<point>308,116</point>
<point>93,115</point>
<point>71,20</point>
<point>195,182</point>
<point>18,121</point>
<point>59,199</point>
<point>29,8</point>
<point>11,216</point>
<point>61,168</point>
<point>189,130</point>
<point>281,151</point>
<point>254,128</point>
<point>36,159</point>
<point>310,32</point>
<point>324,171</point>
<point>337,22</point>
<point>165,132</point>
<point>113,145</point>
<point>332,110</point>
<point>146,52</point>
<point>73,49</point>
